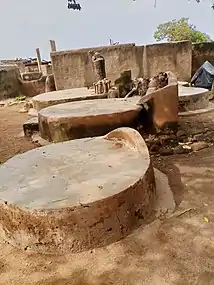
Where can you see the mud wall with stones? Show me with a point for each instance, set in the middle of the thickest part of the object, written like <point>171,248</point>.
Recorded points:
<point>33,87</point>
<point>9,83</point>
<point>200,53</point>
<point>74,68</point>
<point>19,63</point>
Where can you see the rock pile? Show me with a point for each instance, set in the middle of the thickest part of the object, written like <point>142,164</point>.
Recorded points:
<point>179,142</point>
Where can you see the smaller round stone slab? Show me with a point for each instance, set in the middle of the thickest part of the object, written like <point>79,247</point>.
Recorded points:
<point>192,98</point>
<point>76,195</point>
<point>63,96</point>
<point>86,118</point>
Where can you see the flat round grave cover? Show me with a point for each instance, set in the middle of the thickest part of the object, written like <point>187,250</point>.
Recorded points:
<point>187,92</point>
<point>76,195</point>
<point>63,96</point>
<point>86,118</point>
<point>193,98</point>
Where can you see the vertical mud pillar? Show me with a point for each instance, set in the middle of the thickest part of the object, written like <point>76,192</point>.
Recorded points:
<point>99,66</point>
<point>145,64</point>
<point>50,83</point>
<point>53,45</point>
<point>39,61</point>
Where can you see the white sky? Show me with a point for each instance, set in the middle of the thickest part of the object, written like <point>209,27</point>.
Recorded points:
<point>27,24</point>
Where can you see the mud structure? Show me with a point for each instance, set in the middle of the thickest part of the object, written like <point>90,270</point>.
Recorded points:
<point>86,118</point>
<point>191,98</point>
<point>50,83</point>
<point>45,100</point>
<point>124,83</point>
<point>9,84</point>
<point>99,66</point>
<point>101,85</point>
<point>77,195</point>
<point>12,84</point>
<point>162,99</point>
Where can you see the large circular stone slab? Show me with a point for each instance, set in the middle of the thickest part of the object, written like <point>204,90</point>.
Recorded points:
<point>77,195</point>
<point>86,118</point>
<point>192,98</point>
<point>63,96</point>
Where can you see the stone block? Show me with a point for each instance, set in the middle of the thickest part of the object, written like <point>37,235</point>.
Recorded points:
<point>165,104</point>
<point>31,126</point>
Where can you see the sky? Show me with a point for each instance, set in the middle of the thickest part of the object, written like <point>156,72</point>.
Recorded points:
<point>26,24</point>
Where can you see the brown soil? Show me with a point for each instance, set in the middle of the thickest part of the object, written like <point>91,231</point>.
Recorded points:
<point>10,128</point>
<point>176,251</point>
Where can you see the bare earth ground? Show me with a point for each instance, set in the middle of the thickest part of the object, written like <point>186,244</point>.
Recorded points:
<point>176,251</point>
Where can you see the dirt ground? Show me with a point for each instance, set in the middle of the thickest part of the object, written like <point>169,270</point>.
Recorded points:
<point>10,128</point>
<point>176,251</point>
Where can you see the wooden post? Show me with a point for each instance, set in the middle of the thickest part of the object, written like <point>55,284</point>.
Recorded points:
<point>39,61</point>
<point>53,45</point>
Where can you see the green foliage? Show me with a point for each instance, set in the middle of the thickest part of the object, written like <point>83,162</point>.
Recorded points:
<point>180,30</point>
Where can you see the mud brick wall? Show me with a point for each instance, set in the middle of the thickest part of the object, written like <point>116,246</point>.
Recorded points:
<point>33,87</point>
<point>19,63</point>
<point>175,57</point>
<point>9,83</point>
<point>200,53</point>
<point>74,68</point>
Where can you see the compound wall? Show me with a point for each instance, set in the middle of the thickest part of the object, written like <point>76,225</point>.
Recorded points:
<point>200,53</point>
<point>9,81</point>
<point>175,57</point>
<point>74,68</point>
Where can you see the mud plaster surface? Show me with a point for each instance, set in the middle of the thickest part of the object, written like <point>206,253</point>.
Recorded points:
<point>175,251</point>
<point>63,94</point>
<point>90,108</point>
<point>70,173</point>
<point>187,92</point>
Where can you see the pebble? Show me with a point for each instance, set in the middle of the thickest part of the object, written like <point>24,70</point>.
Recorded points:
<point>199,145</point>
<point>198,137</point>
<point>181,133</point>
<point>165,151</point>
<point>180,150</point>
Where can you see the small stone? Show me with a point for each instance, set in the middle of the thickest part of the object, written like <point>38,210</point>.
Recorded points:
<point>33,112</point>
<point>199,145</point>
<point>154,148</point>
<point>164,138</point>
<point>165,151</point>
<point>31,126</point>
<point>181,133</point>
<point>13,103</point>
<point>180,150</point>
<point>151,139</point>
<point>198,137</point>
<point>23,110</point>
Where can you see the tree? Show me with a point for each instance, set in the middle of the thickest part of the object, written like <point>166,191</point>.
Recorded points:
<point>180,30</point>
